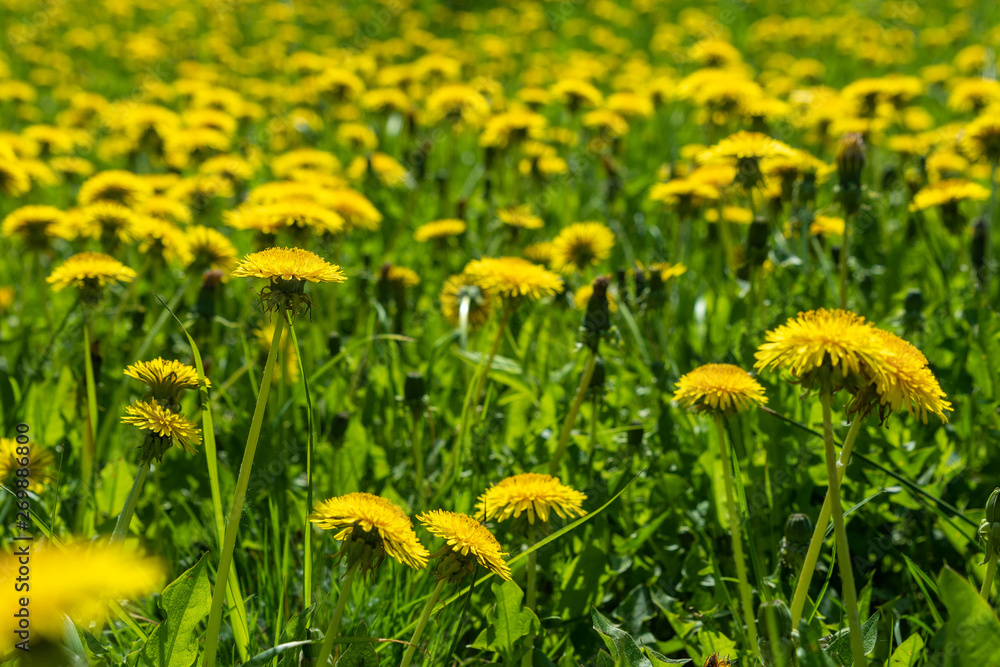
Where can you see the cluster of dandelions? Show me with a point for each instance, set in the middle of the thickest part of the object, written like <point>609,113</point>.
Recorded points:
<point>371,528</point>
<point>824,351</point>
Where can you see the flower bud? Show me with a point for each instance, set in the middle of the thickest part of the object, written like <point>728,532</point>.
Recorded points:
<point>980,238</point>
<point>597,319</point>
<point>338,427</point>
<point>333,343</point>
<point>850,160</point>
<point>795,543</point>
<point>989,528</point>
<point>635,433</point>
<point>914,303</point>
<point>596,385</point>
<point>757,238</point>
<point>414,388</point>
<point>776,642</point>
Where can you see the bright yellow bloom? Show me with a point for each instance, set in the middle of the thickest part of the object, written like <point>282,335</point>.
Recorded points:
<point>77,580</point>
<point>520,217</point>
<point>907,381</point>
<point>40,464</point>
<point>825,225</point>
<point>721,387</point>
<point>118,186</point>
<point>833,348</point>
<point>210,249</point>
<point>512,277</point>
<point>37,225</point>
<point>164,425</point>
<point>399,275</point>
<point>982,138</point>
<point>165,378</point>
<point>89,269</point>
<point>948,192</point>
<point>581,245</point>
<point>461,289</point>
<point>375,520</point>
<point>468,539</point>
<point>439,229</point>
<point>530,493</point>
<point>745,146</point>
<point>289,264</point>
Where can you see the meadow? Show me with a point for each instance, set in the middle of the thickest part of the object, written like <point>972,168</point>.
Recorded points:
<point>569,332</point>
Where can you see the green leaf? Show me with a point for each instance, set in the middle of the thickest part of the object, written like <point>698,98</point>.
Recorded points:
<point>186,601</point>
<point>507,622</point>
<point>840,647</point>
<point>973,632</point>
<point>264,658</point>
<point>908,653</point>
<point>359,654</point>
<point>621,644</point>
<point>658,659</point>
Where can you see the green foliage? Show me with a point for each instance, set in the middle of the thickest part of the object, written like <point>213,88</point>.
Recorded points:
<point>174,642</point>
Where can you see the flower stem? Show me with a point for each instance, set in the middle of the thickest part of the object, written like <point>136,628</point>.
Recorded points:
<point>233,523</point>
<point>819,530</point>
<point>125,518</point>
<point>991,568</point>
<point>531,596</point>
<point>581,393</point>
<point>481,384</point>
<point>844,252</point>
<point>307,566</point>
<point>849,594</point>
<point>338,613</point>
<point>89,427</point>
<point>422,623</point>
<point>735,535</point>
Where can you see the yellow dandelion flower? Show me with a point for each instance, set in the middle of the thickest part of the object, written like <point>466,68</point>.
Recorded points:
<point>118,186</point>
<point>439,229</point>
<point>109,222</point>
<point>14,178</point>
<point>375,521</point>
<point>78,580</point>
<point>513,277</point>
<point>467,539</point>
<point>826,225</point>
<point>949,192</point>
<point>721,387</point>
<point>531,494</point>
<point>521,217</point>
<point>210,249</point>
<point>461,294</point>
<point>289,264</point>
<point>165,378</point>
<point>357,210</point>
<point>164,425</point>
<point>832,348</point>
<point>512,126</point>
<point>71,166</point>
<point>907,381</point>
<point>581,297</point>
<point>88,270</point>
<point>36,225</point>
<point>982,138</point>
<point>162,239</point>
<point>399,275</point>
<point>744,151</point>
<point>539,253</point>
<point>581,245</point>
<point>38,460</point>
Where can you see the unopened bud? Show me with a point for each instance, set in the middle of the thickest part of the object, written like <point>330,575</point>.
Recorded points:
<point>414,387</point>
<point>338,427</point>
<point>850,159</point>
<point>980,236</point>
<point>795,543</point>
<point>597,319</point>
<point>775,641</point>
<point>635,433</point>
<point>333,343</point>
